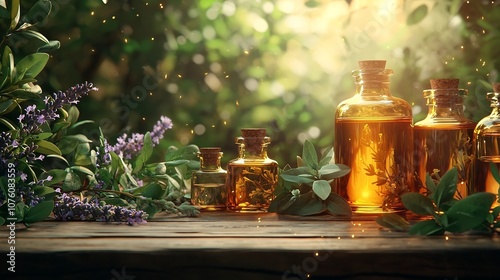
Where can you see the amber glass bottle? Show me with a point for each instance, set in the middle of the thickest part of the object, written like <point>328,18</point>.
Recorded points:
<point>208,185</point>
<point>252,176</point>
<point>373,136</point>
<point>444,138</point>
<point>487,147</point>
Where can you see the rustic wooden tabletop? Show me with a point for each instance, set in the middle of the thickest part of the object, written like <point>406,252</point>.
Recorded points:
<point>244,246</point>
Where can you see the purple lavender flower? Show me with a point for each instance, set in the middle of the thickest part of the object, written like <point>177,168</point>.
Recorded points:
<point>159,129</point>
<point>127,147</point>
<point>69,208</point>
<point>32,118</point>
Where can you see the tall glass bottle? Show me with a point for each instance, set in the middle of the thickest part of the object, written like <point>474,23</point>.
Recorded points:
<point>373,136</point>
<point>208,185</point>
<point>252,176</point>
<point>487,147</point>
<point>443,139</point>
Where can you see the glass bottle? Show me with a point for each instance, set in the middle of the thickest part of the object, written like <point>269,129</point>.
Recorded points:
<point>373,132</point>
<point>443,139</point>
<point>208,185</point>
<point>252,176</point>
<point>486,143</point>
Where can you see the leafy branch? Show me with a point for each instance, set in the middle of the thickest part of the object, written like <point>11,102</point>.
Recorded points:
<point>442,212</point>
<point>305,190</point>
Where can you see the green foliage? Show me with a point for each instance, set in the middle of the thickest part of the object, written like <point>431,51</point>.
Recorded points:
<point>305,190</point>
<point>471,213</point>
<point>51,153</point>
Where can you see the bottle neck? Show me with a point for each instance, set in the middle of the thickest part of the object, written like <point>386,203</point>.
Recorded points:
<point>253,147</point>
<point>210,159</point>
<point>445,108</point>
<point>373,82</point>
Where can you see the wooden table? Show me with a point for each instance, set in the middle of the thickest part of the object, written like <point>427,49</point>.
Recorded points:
<point>244,246</point>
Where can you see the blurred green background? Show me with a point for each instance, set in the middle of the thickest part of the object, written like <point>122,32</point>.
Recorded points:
<point>215,67</point>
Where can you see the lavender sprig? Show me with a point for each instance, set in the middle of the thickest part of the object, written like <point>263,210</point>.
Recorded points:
<point>31,120</point>
<point>69,208</point>
<point>127,147</point>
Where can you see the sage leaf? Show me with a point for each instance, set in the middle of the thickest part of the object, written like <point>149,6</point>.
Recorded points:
<point>31,65</point>
<point>326,157</point>
<point>332,171</point>
<point>393,222</point>
<point>428,227</point>
<point>298,179</point>
<point>418,203</point>
<point>275,205</point>
<point>337,205</point>
<point>305,205</point>
<point>71,182</point>
<point>322,189</point>
<point>37,13</point>
<point>309,155</point>
<point>469,212</point>
<point>58,175</point>
<point>153,191</point>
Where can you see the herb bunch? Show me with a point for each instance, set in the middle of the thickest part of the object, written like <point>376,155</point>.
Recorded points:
<point>442,212</point>
<point>48,168</point>
<point>305,190</point>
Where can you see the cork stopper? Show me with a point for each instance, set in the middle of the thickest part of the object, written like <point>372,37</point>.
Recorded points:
<point>253,132</point>
<point>444,83</point>
<point>496,87</point>
<point>371,64</point>
<point>254,140</point>
<point>209,157</point>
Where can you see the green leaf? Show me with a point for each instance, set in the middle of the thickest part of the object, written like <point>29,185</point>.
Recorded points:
<point>429,182</point>
<point>46,192</point>
<point>305,179</point>
<point>71,182</point>
<point>47,148</point>
<point>494,172</point>
<point>38,12</point>
<point>73,115</point>
<point>20,207</point>
<point>332,171</point>
<point>7,106</point>
<point>34,34</point>
<point>322,189</point>
<point>31,65</point>
<point>305,205</point>
<point>39,212</point>
<point>26,93</point>
<point>446,187</point>
<point>15,12</point>
<point>83,170</point>
<point>393,221</point>
<point>428,227</point>
<point>2,221</point>
<point>58,175</point>
<point>337,205</point>
<point>185,152</point>
<point>153,191</point>
<point>145,154</point>
<point>59,157</point>
<point>41,136</point>
<point>279,202</point>
<point>327,157</point>
<point>309,155</point>
<point>7,123</point>
<point>418,203</point>
<point>60,125</point>
<point>417,15</point>
<point>116,201</point>
<point>312,3</point>
<point>50,46</point>
<point>469,212</point>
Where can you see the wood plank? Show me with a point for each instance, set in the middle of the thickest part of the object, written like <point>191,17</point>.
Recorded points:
<point>245,246</point>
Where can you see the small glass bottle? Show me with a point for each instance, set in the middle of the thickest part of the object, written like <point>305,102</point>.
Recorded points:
<point>373,136</point>
<point>208,185</point>
<point>252,176</point>
<point>487,147</point>
<point>443,139</point>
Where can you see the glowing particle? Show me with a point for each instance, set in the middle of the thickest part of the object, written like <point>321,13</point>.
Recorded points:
<point>446,238</point>
<point>113,17</point>
<point>352,236</point>
<point>227,76</point>
<point>126,40</point>
<point>152,38</point>
<point>237,103</point>
<point>338,237</point>
<point>179,75</point>
<point>462,47</point>
<point>316,254</point>
<point>150,94</point>
<point>103,21</point>
<point>92,13</point>
<point>143,118</point>
<point>246,52</point>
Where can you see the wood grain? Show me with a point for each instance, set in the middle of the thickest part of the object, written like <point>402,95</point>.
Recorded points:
<point>245,246</point>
